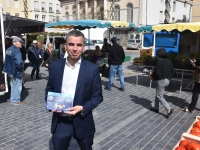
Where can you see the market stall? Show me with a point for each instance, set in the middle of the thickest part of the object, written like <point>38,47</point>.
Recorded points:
<point>14,26</point>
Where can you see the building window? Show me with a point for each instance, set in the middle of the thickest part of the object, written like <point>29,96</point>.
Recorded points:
<point>74,15</point>
<point>174,6</point>
<point>185,4</point>
<point>43,18</point>
<point>117,13</point>
<point>101,13</point>
<point>50,18</point>
<point>17,14</point>
<point>57,8</point>
<point>36,17</point>
<point>67,15</point>
<point>129,13</point>
<point>50,7</point>
<point>92,12</point>
<point>82,13</point>
<point>43,6</point>
<point>7,3</point>
<point>36,5</point>
<point>16,3</point>
<point>161,16</point>
<point>173,20</point>
<point>67,7</point>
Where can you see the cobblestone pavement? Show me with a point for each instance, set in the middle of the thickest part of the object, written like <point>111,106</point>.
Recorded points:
<point>123,120</point>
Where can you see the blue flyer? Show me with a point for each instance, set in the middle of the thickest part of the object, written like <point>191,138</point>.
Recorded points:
<point>58,101</point>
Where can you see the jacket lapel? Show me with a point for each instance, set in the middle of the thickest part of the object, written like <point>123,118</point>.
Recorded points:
<point>60,78</point>
<point>80,76</point>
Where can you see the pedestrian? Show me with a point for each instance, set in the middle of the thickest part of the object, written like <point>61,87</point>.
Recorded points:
<point>105,48</point>
<point>33,56</point>
<point>49,55</point>
<point>116,57</point>
<point>196,89</point>
<point>162,73</point>
<point>13,67</point>
<point>96,57</point>
<point>62,49</point>
<point>80,79</point>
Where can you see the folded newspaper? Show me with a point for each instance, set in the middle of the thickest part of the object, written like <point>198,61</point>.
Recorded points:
<point>58,101</point>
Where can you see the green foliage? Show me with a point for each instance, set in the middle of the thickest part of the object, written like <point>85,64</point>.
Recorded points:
<point>40,38</point>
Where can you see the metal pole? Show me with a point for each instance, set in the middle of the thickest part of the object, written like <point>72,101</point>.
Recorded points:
<point>197,43</point>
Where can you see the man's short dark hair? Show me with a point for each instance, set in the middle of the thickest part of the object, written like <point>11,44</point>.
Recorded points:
<point>161,53</point>
<point>114,40</point>
<point>75,33</point>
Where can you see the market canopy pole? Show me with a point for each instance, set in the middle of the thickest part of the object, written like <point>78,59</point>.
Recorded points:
<point>197,44</point>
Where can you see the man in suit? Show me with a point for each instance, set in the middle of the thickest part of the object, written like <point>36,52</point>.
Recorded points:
<point>80,79</point>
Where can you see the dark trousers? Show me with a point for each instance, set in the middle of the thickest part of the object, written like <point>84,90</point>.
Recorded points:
<point>36,66</point>
<point>63,134</point>
<point>195,96</point>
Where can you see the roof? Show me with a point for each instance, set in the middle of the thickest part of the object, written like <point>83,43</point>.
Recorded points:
<point>16,25</point>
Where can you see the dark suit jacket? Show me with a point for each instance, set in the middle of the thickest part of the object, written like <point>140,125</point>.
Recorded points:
<point>88,94</point>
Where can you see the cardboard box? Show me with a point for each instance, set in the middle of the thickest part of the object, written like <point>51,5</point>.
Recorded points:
<point>188,137</point>
<point>190,128</point>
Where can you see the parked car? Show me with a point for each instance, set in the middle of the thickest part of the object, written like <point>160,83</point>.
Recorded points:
<point>97,42</point>
<point>89,45</point>
<point>134,44</point>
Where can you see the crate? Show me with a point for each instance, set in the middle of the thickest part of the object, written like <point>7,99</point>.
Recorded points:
<point>138,62</point>
<point>188,137</point>
<point>127,58</point>
<point>190,128</point>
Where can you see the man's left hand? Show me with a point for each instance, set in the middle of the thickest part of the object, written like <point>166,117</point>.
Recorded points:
<point>74,110</point>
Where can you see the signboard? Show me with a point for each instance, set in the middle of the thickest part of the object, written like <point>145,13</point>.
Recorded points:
<point>3,76</point>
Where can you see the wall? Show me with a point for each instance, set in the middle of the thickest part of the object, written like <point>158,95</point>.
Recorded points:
<point>11,8</point>
<point>195,11</point>
<point>153,15</point>
<point>46,13</point>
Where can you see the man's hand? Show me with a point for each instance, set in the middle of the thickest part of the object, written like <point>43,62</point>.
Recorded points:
<point>193,62</point>
<point>58,111</point>
<point>74,110</point>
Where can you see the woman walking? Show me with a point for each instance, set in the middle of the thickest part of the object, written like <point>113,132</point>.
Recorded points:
<point>162,74</point>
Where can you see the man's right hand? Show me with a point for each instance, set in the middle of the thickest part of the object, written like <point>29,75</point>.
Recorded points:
<point>193,62</point>
<point>57,111</point>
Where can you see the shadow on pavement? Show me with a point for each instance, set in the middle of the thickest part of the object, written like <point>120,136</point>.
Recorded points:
<point>24,93</point>
<point>143,102</point>
<point>6,97</point>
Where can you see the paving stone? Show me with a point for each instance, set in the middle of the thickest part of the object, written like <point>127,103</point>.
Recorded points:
<point>123,120</point>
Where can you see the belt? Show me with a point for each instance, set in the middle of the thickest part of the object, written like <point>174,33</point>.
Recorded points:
<point>67,117</point>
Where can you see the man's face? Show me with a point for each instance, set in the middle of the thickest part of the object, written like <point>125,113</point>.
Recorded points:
<point>35,44</point>
<point>18,44</point>
<point>75,46</point>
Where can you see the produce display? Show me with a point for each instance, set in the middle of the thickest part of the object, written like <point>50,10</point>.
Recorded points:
<point>191,139</point>
<point>188,145</point>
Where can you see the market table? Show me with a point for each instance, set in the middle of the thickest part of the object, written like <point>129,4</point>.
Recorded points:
<point>179,76</point>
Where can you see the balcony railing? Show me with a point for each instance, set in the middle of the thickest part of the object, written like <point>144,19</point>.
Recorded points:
<point>51,11</point>
<point>58,11</point>
<point>36,9</point>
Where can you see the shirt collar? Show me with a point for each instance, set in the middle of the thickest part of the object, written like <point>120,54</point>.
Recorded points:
<point>76,64</point>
